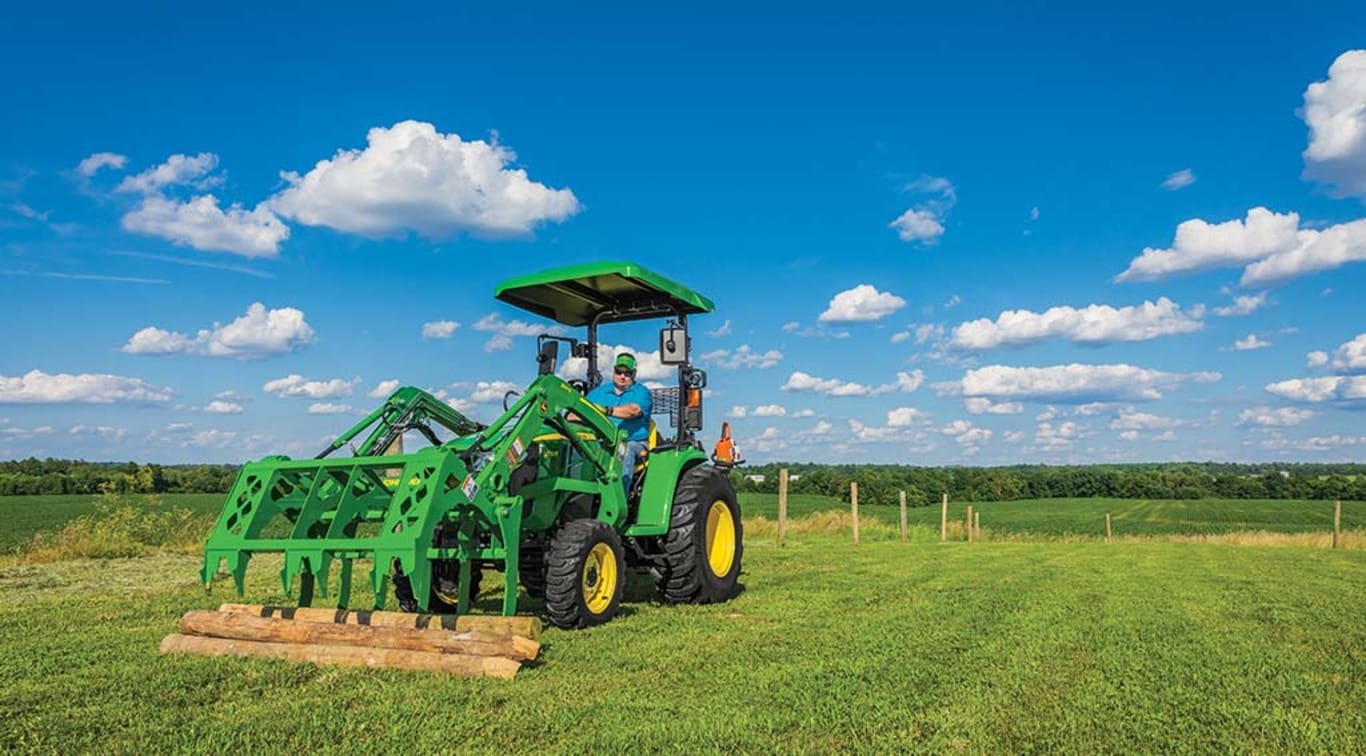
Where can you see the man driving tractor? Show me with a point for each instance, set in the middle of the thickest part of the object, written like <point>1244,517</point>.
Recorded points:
<point>628,404</point>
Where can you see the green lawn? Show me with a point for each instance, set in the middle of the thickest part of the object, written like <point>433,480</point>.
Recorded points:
<point>991,647</point>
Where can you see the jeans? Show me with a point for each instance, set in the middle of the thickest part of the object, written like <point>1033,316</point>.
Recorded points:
<point>634,450</point>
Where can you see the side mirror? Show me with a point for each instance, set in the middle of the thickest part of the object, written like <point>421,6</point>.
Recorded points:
<point>547,357</point>
<point>673,346</point>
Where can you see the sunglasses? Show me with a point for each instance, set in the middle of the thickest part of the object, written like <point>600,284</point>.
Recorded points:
<point>624,371</point>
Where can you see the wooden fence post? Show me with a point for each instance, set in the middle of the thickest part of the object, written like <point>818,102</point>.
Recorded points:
<point>977,525</point>
<point>944,519</point>
<point>853,505</point>
<point>903,516</point>
<point>782,507</point>
<point>1337,523</point>
<point>969,523</point>
<point>1107,527</point>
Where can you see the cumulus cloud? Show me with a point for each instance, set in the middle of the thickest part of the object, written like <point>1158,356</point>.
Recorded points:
<point>383,389</point>
<point>1074,383</point>
<point>1093,325</point>
<point>1334,112</point>
<point>743,357</point>
<point>200,223</point>
<point>412,178</point>
<point>220,407</point>
<point>770,410</point>
<point>258,333</point>
<point>498,343</point>
<point>1244,305</point>
<point>439,329</point>
<point>328,408</point>
<point>800,381</point>
<point>648,365</point>
<point>1049,437</point>
<point>99,160</point>
<point>1333,388</point>
<point>1271,245</point>
<point>1316,359</point>
<point>901,336</point>
<point>1129,419</point>
<point>488,392</point>
<point>1247,344</point>
<point>1178,180</point>
<point>804,413</point>
<point>924,221</point>
<point>177,170</point>
<point>904,417</point>
<point>37,387</point>
<point>1351,356</point>
<point>723,330</point>
<point>1280,417</point>
<point>297,386</point>
<point>980,405</point>
<point>967,434</point>
<point>863,303</point>
<point>738,411</point>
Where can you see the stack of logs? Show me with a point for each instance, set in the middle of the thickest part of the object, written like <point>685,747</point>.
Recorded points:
<point>468,646</point>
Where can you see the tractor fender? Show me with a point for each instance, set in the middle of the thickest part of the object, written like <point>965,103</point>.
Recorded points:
<point>657,495</point>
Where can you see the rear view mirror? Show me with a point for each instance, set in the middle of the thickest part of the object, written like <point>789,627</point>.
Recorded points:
<point>547,357</point>
<point>673,346</point>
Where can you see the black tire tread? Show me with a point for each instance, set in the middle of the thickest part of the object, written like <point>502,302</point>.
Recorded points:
<point>564,566</point>
<point>683,579</point>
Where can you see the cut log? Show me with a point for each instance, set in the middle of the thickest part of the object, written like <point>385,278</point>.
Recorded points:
<point>249,627</point>
<point>527,627</point>
<point>346,656</point>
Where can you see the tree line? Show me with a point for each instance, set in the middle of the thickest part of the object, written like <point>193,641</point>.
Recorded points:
<point>65,476</point>
<point>881,484</point>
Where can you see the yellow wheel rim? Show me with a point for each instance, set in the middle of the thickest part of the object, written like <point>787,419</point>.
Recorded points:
<point>720,538</point>
<point>599,578</point>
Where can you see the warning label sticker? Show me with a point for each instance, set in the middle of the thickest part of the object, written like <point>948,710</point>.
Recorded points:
<point>469,488</point>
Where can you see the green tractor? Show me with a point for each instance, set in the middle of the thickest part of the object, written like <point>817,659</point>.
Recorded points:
<point>537,493</point>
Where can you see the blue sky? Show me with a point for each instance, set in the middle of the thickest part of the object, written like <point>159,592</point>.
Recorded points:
<point>980,235</point>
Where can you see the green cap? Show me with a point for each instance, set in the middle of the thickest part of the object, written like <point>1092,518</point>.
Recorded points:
<point>626,360</point>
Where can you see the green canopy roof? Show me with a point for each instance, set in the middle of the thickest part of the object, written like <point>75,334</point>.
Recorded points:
<point>606,291</point>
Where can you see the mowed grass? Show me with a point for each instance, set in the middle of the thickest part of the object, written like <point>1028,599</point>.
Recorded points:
<point>988,647</point>
<point>1086,517</point>
<point>22,516</point>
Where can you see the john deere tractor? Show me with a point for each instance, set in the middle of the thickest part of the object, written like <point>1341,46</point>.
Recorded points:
<point>537,494</point>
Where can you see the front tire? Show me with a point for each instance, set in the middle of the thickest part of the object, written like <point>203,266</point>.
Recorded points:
<point>705,543</point>
<point>585,574</point>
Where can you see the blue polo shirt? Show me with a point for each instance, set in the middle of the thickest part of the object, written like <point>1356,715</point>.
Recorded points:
<point>637,428</point>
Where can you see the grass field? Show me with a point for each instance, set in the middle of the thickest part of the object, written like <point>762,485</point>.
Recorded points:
<point>1001,647</point>
<point>22,516</point>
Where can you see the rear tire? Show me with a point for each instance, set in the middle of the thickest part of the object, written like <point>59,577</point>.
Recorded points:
<point>585,574</point>
<point>705,543</point>
<point>531,568</point>
<point>444,596</point>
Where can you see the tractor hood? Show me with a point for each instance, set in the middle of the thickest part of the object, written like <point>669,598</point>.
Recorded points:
<point>604,292</point>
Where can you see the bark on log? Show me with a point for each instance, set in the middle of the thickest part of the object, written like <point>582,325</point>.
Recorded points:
<point>527,627</point>
<point>346,656</point>
<point>248,627</point>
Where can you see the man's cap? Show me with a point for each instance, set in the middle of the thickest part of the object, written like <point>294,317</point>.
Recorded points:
<point>626,360</point>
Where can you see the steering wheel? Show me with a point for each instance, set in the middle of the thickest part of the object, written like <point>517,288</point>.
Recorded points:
<point>579,386</point>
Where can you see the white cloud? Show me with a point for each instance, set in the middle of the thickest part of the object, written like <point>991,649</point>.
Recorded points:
<point>1280,417</point>
<point>648,365</point>
<point>928,332</point>
<point>297,386</point>
<point>1131,435</point>
<point>328,408</point>
<point>1128,419</point>
<point>924,222</point>
<point>1034,213</point>
<point>737,411</point>
<point>488,392</point>
<point>966,434</point>
<point>1075,382</point>
<point>743,357</point>
<point>791,326</point>
<point>1047,436</point>
<point>1333,388</point>
<point>256,334</point>
<point>979,405</point>
<point>908,382</point>
<point>1200,245</point>
<point>177,170</point>
<point>92,165</point>
<point>723,330</point>
<point>495,323</point>
<point>203,225</point>
<point>220,407</point>
<point>820,428</point>
<point>37,387</point>
<point>901,336</point>
<point>1247,344</point>
<point>1095,324</point>
<point>1333,110</point>
<point>439,329</point>
<point>106,433</point>
<point>800,381</point>
<point>1244,305</point>
<point>498,343</point>
<point>804,413</point>
<point>918,225</point>
<point>1316,359</point>
<point>1179,180</point>
<point>412,178</point>
<point>905,417</point>
<point>1332,247</point>
<point>1351,357</point>
<point>770,410</point>
<point>384,389</point>
<point>1013,437</point>
<point>863,303</point>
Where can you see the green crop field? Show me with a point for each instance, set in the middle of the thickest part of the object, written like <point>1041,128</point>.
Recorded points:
<point>995,647</point>
<point>22,516</point>
<point>1053,517</point>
